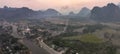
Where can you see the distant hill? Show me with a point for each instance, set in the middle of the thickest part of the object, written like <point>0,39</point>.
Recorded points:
<point>24,12</point>
<point>118,5</point>
<point>71,13</point>
<point>15,12</point>
<point>51,12</point>
<point>111,12</point>
<point>84,12</point>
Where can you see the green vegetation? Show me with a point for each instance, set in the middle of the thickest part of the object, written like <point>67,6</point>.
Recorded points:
<point>91,38</point>
<point>84,44</point>
<point>93,28</point>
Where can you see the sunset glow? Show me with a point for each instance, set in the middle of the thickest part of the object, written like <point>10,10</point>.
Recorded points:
<point>61,5</point>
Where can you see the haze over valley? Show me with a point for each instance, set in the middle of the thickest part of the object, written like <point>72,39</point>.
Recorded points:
<point>64,27</point>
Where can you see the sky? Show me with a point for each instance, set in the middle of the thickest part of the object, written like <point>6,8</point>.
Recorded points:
<point>63,6</point>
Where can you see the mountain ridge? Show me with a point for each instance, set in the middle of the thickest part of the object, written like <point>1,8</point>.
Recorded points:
<point>24,12</point>
<point>111,12</point>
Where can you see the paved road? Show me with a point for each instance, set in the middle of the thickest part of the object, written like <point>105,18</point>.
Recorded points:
<point>34,48</point>
<point>31,45</point>
<point>47,48</point>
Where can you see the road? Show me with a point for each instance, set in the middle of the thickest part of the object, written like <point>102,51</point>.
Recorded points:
<point>47,48</point>
<point>65,28</point>
<point>35,49</point>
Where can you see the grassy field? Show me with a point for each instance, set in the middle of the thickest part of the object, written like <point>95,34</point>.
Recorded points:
<point>90,38</point>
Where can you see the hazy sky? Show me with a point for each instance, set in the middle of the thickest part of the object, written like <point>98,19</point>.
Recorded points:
<point>60,5</point>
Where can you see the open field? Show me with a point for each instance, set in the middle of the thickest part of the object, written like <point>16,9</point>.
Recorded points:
<point>91,38</point>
